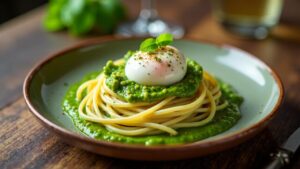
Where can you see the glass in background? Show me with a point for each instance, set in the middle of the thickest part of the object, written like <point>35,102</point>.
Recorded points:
<point>248,18</point>
<point>149,23</point>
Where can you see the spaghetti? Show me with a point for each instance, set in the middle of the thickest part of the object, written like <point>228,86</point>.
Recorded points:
<point>99,104</point>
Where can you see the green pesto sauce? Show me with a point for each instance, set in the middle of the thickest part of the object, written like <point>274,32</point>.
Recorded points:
<point>134,92</point>
<point>222,121</point>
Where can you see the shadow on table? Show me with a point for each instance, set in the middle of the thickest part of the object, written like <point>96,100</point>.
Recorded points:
<point>287,32</point>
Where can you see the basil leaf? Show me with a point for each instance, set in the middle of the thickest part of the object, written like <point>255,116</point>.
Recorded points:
<point>79,16</point>
<point>164,39</point>
<point>72,10</point>
<point>105,20</point>
<point>148,45</point>
<point>110,12</point>
<point>151,44</point>
<point>82,24</point>
<point>52,21</point>
<point>82,16</point>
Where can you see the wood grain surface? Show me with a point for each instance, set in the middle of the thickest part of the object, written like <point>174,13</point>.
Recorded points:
<point>24,143</point>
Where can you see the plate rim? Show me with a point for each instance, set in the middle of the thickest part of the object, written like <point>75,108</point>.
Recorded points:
<point>241,134</point>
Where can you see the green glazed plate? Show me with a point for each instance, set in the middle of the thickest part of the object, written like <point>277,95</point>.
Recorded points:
<point>47,83</point>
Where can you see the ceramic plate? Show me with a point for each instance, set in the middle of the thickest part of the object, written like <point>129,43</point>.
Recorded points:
<point>46,85</point>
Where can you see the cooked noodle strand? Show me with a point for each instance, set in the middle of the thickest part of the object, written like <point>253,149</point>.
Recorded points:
<point>100,104</point>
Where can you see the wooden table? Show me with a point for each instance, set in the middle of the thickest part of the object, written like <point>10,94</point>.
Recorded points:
<point>24,143</point>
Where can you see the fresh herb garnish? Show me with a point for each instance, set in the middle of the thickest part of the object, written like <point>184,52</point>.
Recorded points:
<point>84,16</point>
<point>164,39</point>
<point>151,44</point>
<point>148,45</point>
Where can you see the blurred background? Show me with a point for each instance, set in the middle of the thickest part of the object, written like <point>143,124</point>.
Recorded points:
<point>13,8</point>
<point>24,40</point>
<point>10,9</point>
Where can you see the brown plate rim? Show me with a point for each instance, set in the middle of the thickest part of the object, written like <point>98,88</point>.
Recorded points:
<point>240,134</point>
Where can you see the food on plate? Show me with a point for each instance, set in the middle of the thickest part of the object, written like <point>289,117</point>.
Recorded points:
<point>154,95</point>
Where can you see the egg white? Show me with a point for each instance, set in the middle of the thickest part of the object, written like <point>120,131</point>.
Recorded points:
<point>164,66</point>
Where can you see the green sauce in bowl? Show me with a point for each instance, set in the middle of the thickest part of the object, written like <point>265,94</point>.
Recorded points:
<point>223,120</point>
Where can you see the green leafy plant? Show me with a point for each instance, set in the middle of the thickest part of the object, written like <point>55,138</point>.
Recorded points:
<point>83,16</point>
<point>152,44</point>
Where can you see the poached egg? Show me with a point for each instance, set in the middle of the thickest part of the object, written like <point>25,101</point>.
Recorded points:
<point>164,66</point>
